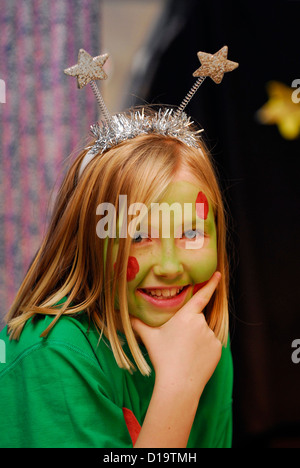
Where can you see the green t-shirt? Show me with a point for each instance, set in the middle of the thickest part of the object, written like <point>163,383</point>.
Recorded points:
<point>67,390</point>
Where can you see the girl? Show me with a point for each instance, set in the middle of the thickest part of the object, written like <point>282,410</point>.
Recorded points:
<point>121,339</point>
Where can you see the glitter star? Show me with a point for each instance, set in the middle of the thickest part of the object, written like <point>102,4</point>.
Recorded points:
<point>280,110</point>
<point>215,65</point>
<point>88,68</point>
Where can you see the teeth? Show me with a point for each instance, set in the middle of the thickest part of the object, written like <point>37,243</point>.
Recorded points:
<point>171,292</point>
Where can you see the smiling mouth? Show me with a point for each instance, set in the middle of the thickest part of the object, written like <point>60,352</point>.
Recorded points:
<point>163,294</point>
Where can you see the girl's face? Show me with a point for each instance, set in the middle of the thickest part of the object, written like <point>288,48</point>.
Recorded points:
<point>165,268</point>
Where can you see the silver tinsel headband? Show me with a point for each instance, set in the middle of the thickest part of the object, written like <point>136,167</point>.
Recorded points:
<point>115,129</point>
<point>123,127</point>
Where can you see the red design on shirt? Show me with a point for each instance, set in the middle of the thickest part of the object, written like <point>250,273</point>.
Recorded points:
<point>202,210</point>
<point>132,424</point>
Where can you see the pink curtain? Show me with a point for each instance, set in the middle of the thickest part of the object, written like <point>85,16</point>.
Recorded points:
<point>42,120</point>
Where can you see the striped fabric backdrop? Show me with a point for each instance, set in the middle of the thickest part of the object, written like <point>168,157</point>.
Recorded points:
<point>42,121</point>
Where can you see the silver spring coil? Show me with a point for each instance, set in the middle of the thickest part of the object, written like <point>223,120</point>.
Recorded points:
<point>190,94</point>
<point>100,101</point>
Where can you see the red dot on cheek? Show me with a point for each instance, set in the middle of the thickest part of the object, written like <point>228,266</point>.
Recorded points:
<point>203,208</point>
<point>198,286</point>
<point>132,268</point>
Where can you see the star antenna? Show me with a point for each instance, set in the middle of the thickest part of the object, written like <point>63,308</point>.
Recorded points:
<point>87,70</point>
<point>213,66</point>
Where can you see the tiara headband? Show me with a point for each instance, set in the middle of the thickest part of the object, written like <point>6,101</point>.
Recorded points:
<point>113,130</point>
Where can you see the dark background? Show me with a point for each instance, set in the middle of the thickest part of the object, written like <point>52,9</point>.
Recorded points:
<point>259,174</point>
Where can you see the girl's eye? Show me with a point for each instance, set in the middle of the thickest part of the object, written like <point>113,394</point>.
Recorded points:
<point>139,237</point>
<point>193,234</point>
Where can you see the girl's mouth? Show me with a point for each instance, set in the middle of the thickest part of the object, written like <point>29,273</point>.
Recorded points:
<point>165,297</point>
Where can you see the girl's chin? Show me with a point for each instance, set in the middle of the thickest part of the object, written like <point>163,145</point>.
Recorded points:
<point>155,311</point>
<point>154,321</point>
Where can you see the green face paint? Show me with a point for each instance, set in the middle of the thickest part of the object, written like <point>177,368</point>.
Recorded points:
<point>163,271</point>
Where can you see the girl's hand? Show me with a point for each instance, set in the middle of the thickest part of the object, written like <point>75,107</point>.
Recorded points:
<point>184,351</point>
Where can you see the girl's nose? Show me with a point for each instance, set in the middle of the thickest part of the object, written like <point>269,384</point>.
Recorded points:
<point>169,264</point>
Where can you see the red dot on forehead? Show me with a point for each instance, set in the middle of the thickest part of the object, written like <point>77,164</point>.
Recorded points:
<point>202,206</point>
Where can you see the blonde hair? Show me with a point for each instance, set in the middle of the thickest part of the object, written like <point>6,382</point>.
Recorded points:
<point>70,259</point>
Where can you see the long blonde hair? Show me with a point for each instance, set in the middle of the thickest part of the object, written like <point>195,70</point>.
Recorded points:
<point>70,261</point>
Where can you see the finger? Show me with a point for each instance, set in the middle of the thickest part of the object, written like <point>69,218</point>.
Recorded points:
<point>140,328</point>
<point>145,334</point>
<point>136,324</point>
<point>202,297</point>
